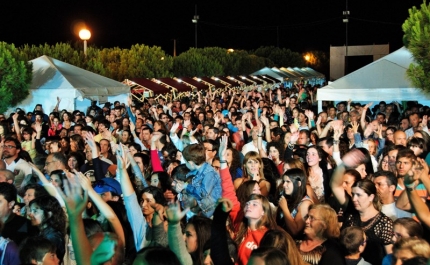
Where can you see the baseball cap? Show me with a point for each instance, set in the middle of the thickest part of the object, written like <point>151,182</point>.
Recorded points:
<point>107,184</point>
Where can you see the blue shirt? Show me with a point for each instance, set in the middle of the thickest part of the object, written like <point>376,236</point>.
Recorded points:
<point>205,187</point>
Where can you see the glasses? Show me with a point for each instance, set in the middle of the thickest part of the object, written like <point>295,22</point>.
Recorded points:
<point>9,146</point>
<point>47,163</point>
<point>311,218</point>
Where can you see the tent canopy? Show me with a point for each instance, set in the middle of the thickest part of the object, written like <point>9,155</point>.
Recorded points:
<point>50,73</point>
<point>384,79</point>
<point>74,86</point>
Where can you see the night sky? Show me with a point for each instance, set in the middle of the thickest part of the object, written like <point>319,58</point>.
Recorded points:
<point>297,25</point>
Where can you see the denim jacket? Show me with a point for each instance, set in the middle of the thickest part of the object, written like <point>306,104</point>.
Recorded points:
<point>205,187</point>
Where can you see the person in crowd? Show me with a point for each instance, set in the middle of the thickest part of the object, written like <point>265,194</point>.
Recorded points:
<point>353,241</point>
<point>253,170</point>
<point>48,216</point>
<point>294,202</point>
<point>319,245</point>
<point>409,248</point>
<point>403,228</point>
<point>38,250</point>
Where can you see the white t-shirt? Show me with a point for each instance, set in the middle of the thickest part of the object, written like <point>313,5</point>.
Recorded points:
<point>20,169</point>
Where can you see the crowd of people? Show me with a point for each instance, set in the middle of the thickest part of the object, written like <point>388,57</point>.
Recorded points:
<point>235,177</point>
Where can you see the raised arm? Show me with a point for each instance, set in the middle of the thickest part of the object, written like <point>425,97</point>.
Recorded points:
<point>103,207</point>
<point>75,205</point>
<point>363,115</point>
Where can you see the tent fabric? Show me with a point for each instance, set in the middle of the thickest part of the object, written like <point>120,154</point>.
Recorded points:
<point>154,87</point>
<point>175,84</point>
<point>50,73</point>
<point>75,87</point>
<point>213,82</point>
<point>194,82</point>
<point>384,79</point>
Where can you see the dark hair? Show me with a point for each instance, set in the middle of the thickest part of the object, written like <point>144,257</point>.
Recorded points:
<point>235,164</point>
<point>60,157</point>
<point>79,140</point>
<point>92,227</point>
<point>414,228</point>
<point>195,153</point>
<point>271,255</point>
<point>38,190</point>
<point>62,176</point>
<point>156,193</point>
<point>15,142</point>
<point>280,239</point>
<point>278,146</point>
<point>35,248</point>
<point>244,191</point>
<point>79,158</point>
<point>296,175</point>
<point>202,225</point>
<point>180,172</point>
<point>156,256</point>
<point>391,178</point>
<point>54,215</point>
<point>369,188</point>
<point>8,191</point>
<point>351,238</point>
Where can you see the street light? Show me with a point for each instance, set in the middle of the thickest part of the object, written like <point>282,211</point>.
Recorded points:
<point>85,35</point>
<point>195,21</point>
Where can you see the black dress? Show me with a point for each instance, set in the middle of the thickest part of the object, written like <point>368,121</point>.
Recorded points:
<point>379,232</point>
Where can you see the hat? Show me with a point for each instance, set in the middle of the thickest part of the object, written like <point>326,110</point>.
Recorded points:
<point>224,112</point>
<point>107,184</point>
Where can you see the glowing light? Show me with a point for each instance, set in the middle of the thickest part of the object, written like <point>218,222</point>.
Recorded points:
<point>198,79</point>
<point>179,80</point>
<point>84,34</point>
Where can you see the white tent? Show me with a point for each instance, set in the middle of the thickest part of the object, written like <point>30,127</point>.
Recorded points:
<point>53,78</point>
<point>383,80</point>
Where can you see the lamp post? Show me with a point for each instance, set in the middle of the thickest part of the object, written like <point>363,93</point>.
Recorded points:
<point>85,35</point>
<point>195,20</point>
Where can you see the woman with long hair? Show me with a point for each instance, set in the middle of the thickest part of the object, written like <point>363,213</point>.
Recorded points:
<point>75,161</point>
<point>46,213</point>
<point>281,240</point>
<point>233,163</point>
<point>294,203</point>
<point>149,226</point>
<point>276,154</point>
<point>253,170</point>
<point>317,172</point>
<point>377,226</point>
<point>258,219</point>
<point>319,245</point>
<point>403,228</point>
<point>188,247</point>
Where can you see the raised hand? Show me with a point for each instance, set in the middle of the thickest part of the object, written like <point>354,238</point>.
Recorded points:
<point>72,195</point>
<point>223,147</point>
<point>174,128</point>
<point>353,158</point>
<point>83,180</point>
<point>255,105</point>
<point>174,213</point>
<point>89,139</point>
<point>354,126</point>
<point>227,204</point>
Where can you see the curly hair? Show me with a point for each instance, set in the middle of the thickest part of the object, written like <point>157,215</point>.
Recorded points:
<point>54,215</point>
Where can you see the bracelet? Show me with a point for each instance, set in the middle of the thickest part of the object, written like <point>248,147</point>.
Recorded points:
<point>410,187</point>
<point>335,141</point>
<point>223,161</point>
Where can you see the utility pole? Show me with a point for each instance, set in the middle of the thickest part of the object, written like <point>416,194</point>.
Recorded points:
<point>346,21</point>
<point>195,20</point>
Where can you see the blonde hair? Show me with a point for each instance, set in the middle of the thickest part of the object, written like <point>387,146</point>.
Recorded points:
<point>253,156</point>
<point>418,246</point>
<point>329,217</point>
